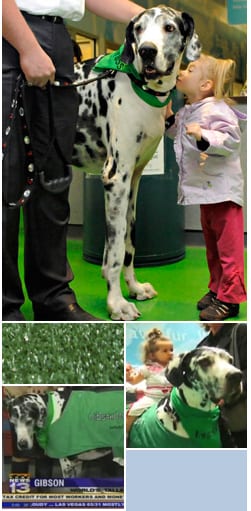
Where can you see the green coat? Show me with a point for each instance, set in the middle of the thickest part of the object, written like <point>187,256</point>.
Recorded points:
<point>202,428</point>
<point>90,420</point>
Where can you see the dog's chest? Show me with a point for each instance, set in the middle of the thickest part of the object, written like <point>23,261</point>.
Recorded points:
<point>113,118</point>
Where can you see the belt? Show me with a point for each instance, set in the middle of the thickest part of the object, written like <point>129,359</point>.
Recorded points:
<point>51,19</point>
<point>45,17</point>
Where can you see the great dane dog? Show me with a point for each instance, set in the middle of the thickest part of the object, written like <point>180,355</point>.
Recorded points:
<point>31,413</point>
<point>203,380</point>
<point>120,124</point>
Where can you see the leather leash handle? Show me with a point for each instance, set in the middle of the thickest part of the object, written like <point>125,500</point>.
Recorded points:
<point>60,184</point>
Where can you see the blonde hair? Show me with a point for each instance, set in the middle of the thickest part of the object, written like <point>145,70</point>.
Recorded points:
<point>149,346</point>
<point>221,72</point>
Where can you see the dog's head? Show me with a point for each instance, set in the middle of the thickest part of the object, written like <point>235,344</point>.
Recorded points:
<point>208,372</point>
<point>26,413</point>
<point>156,40</point>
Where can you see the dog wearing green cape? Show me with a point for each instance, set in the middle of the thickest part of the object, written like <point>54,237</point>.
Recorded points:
<point>189,417</point>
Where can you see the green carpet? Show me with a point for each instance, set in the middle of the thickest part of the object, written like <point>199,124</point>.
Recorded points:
<point>179,287</point>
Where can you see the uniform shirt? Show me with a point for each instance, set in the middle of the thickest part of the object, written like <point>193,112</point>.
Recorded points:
<point>69,9</point>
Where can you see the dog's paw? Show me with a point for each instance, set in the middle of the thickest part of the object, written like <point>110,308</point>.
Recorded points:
<point>143,291</point>
<point>121,310</point>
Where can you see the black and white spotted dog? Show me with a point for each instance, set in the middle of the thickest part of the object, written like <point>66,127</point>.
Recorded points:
<point>29,412</point>
<point>119,132</point>
<point>203,378</point>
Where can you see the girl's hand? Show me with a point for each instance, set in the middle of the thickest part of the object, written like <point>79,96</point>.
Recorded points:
<point>169,111</point>
<point>194,129</point>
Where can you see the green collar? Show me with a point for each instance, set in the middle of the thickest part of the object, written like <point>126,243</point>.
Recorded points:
<point>200,425</point>
<point>113,61</point>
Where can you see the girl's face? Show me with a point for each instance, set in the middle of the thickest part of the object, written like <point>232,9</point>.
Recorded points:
<point>163,353</point>
<point>190,80</point>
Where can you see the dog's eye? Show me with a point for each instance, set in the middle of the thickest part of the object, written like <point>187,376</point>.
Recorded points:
<point>205,362</point>
<point>169,27</point>
<point>138,29</point>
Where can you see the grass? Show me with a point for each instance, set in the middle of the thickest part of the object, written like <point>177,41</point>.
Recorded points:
<point>63,353</point>
<point>179,286</point>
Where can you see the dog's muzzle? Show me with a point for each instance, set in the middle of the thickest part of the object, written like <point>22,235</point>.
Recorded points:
<point>233,386</point>
<point>22,444</point>
<point>148,52</point>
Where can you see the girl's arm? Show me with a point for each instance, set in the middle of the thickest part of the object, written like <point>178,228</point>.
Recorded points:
<point>115,10</point>
<point>132,376</point>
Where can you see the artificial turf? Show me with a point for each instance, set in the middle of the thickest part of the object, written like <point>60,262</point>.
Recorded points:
<point>62,353</point>
<point>179,285</point>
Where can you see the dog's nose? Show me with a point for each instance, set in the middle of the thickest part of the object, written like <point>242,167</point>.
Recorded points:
<point>234,379</point>
<point>148,52</point>
<point>22,444</point>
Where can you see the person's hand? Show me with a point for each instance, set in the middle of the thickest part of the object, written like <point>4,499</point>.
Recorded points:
<point>128,371</point>
<point>194,129</point>
<point>169,110</point>
<point>37,67</point>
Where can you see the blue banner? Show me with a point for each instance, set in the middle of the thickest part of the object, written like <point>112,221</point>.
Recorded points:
<point>237,12</point>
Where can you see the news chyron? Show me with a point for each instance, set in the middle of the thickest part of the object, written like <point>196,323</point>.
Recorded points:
<point>28,492</point>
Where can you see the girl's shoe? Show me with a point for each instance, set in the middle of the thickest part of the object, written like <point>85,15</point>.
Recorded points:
<point>206,300</point>
<point>218,311</point>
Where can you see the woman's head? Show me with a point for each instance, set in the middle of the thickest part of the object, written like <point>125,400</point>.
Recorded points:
<point>157,348</point>
<point>207,76</point>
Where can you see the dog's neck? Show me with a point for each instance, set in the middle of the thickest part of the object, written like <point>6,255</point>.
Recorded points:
<point>195,399</point>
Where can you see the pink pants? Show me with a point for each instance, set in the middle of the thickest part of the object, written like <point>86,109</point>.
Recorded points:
<point>223,231</point>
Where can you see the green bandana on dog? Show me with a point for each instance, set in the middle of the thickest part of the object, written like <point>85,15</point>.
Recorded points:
<point>202,428</point>
<point>113,61</point>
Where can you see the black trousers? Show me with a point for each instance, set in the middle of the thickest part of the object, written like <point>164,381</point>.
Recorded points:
<point>46,215</point>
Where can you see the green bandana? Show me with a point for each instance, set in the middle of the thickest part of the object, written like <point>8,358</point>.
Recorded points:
<point>202,428</point>
<point>90,420</point>
<point>113,61</point>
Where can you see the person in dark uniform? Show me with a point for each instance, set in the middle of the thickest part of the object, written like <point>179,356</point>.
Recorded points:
<point>38,48</point>
<point>233,338</point>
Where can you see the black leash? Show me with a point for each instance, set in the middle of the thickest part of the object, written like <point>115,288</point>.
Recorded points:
<point>17,108</point>
<point>54,186</point>
<point>57,185</point>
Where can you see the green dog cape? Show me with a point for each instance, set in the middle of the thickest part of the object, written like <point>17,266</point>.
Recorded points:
<point>113,61</point>
<point>202,428</point>
<point>90,420</point>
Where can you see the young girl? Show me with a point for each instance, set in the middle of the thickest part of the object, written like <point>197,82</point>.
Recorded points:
<point>157,351</point>
<point>207,147</point>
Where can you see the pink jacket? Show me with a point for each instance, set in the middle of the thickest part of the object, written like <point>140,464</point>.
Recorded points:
<point>213,175</point>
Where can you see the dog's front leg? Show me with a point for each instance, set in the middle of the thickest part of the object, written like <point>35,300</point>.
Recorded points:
<point>67,467</point>
<point>117,192</point>
<point>140,291</point>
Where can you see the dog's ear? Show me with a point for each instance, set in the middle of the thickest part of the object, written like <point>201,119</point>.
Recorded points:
<point>193,47</point>
<point>38,413</point>
<point>7,402</point>
<point>188,23</point>
<point>41,417</point>
<point>175,372</point>
<point>127,55</point>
